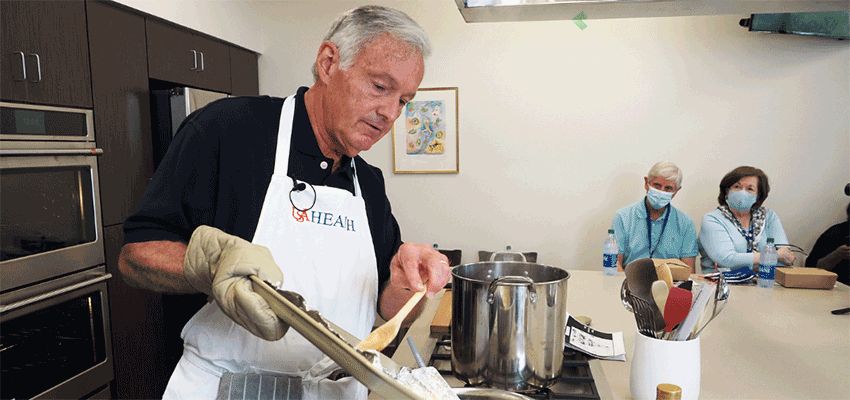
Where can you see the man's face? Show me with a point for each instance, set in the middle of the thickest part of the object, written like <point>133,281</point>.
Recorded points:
<point>365,100</point>
<point>659,183</point>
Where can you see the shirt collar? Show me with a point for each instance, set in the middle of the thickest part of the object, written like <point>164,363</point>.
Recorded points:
<point>307,144</point>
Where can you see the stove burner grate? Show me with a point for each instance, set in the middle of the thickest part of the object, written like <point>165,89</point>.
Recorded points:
<point>576,382</point>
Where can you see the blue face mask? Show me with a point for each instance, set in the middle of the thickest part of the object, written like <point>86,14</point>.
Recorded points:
<point>740,200</point>
<point>658,199</point>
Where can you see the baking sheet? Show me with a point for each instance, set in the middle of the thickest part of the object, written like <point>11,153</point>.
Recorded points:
<point>338,348</point>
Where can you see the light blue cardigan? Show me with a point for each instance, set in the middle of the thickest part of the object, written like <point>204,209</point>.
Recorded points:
<point>720,241</point>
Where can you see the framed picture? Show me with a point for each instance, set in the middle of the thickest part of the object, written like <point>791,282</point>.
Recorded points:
<point>425,135</point>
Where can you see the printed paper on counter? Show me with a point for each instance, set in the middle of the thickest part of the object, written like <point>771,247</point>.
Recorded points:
<point>602,345</point>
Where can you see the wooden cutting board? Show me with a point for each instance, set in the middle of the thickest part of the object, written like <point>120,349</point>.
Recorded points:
<point>443,318</point>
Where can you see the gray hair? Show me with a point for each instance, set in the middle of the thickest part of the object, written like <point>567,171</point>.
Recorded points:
<point>353,29</point>
<point>666,170</point>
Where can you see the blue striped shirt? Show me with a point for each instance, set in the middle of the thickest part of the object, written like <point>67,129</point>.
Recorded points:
<point>679,239</point>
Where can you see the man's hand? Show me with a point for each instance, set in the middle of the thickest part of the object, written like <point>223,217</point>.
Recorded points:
<point>829,261</point>
<point>414,268</point>
<point>219,264</point>
<point>417,264</point>
<point>842,252</point>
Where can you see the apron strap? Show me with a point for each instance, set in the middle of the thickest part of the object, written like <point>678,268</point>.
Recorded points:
<point>287,113</point>
<point>237,386</point>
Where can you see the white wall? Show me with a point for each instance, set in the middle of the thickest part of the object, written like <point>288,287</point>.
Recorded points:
<point>558,125</point>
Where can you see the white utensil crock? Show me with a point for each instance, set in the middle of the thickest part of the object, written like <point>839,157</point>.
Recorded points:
<point>657,361</point>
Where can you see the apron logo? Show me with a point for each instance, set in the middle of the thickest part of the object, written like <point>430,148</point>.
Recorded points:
<point>299,215</point>
<point>324,218</point>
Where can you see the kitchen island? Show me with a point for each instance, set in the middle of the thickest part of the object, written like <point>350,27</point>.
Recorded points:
<point>775,343</point>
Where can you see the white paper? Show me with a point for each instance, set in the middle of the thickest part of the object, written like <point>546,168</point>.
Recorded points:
<point>602,345</point>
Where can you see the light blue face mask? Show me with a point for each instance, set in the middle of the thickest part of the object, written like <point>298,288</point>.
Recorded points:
<point>740,200</point>
<point>658,199</point>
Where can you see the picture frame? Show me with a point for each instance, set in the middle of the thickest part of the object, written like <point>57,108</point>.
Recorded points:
<point>425,135</point>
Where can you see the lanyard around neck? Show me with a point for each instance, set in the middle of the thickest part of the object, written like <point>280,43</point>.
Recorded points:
<point>649,229</point>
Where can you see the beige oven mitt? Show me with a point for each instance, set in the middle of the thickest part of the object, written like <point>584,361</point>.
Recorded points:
<point>219,264</point>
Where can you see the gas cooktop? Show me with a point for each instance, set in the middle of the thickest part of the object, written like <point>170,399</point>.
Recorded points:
<point>576,380</point>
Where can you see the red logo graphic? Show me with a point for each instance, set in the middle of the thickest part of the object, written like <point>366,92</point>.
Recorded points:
<point>299,215</point>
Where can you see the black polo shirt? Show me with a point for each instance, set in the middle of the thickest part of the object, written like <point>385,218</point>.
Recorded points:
<point>218,168</point>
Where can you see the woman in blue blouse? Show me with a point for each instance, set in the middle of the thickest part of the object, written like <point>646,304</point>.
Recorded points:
<point>732,235</point>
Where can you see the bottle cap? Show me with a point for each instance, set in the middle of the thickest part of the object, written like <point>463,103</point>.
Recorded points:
<point>770,240</point>
<point>508,248</point>
<point>668,391</point>
<point>610,231</point>
<point>435,245</point>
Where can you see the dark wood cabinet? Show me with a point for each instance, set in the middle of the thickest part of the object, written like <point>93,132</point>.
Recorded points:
<point>186,58</point>
<point>244,79</point>
<point>130,52</point>
<point>121,108</point>
<point>137,331</point>
<point>45,53</point>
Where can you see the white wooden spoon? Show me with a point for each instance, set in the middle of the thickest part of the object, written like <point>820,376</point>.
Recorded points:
<point>381,337</point>
<point>660,291</point>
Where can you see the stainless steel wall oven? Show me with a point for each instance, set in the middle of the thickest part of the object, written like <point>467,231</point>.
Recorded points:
<point>55,340</point>
<point>54,317</point>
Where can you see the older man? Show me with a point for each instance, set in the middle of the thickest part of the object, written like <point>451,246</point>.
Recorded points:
<point>652,227</point>
<point>275,187</point>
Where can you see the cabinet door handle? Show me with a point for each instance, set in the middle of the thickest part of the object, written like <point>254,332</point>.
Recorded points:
<point>202,62</point>
<point>195,59</point>
<point>23,66</point>
<point>37,68</point>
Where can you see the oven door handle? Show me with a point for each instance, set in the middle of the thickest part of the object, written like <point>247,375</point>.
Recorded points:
<point>52,152</point>
<point>54,293</point>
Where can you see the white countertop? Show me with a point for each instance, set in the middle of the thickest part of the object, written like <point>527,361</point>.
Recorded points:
<point>766,344</point>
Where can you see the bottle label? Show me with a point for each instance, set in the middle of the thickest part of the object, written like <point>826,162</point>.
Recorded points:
<point>767,271</point>
<point>609,261</point>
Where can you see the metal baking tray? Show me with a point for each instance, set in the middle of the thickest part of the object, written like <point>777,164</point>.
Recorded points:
<point>339,348</point>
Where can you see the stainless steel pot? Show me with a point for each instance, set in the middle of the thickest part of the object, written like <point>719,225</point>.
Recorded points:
<point>508,322</point>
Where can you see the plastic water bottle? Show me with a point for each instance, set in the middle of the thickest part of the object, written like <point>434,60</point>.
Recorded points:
<point>767,265</point>
<point>609,254</point>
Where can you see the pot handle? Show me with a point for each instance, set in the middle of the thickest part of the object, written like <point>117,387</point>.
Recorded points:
<point>491,291</point>
<point>499,253</point>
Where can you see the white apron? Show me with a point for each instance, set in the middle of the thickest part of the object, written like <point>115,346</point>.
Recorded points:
<point>328,258</point>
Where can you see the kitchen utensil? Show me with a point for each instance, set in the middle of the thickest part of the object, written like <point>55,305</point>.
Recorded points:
<point>419,361</point>
<point>660,291</point>
<point>384,334</point>
<point>677,308</point>
<point>508,318</point>
<point>624,296</point>
<point>649,320</point>
<point>335,342</point>
<point>702,296</point>
<point>641,273</point>
<point>664,274</point>
<point>687,285</point>
<point>721,296</point>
